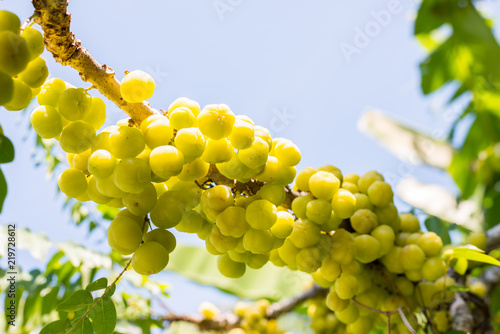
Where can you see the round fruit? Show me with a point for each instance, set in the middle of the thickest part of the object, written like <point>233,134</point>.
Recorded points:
<point>324,185</point>
<point>433,268</point>
<point>97,115</point>
<point>430,243</point>
<point>14,53</point>
<point>258,241</point>
<point>101,164</point>
<point>344,203</point>
<point>35,73</point>
<point>230,268</point>
<point>216,121</point>
<point>150,258</point>
<point>6,88</point>
<point>283,226</point>
<point>231,222</point>
<point>364,220</point>
<point>261,214</point>
<point>367,248</point>
<point>137,86</point>
<point>124,235</point>
<point>75,104</point>
<point>126,142</point>
<point>72,182</point>
<point>412,257</point>
<point>141,203</point>
<point>77,137</point>
<point>9,21</point>
<point>21,96</point>
<point>46,121</point>
<point>380,193</point>
<point>163,237</point>
<point>132,175</point>
<point>34,39</point>
<point>168,210</point>
<point>166,161</point>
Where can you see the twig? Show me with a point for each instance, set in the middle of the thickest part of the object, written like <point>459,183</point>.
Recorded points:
<point>286,305</point>
<point>405,321</point>
<point>51,15</point>
<point>369,308</point>
<point>221,323</point>
<point>461,314</point>
<point>493,237</point>
<point>388,315</point>
<point>395,287</point>
<point>228,321</point>
<point>100,298</point>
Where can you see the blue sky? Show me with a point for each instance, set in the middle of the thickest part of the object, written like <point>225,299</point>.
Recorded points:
<point>279,62</point>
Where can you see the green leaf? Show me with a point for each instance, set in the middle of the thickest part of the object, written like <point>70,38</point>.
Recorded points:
<point>99,284</point>
<point>463,167</point>
<point>3,189</point>
<point>77,301</point>
<point>30,304</point>
<point>474,255</point>
<point>457,288</point>
<point>6,150</point>
<point>103,316</point>
<point>491,205</point>
<point>436,225</point>
<point>460,265</point>
<point>49,301</point>
<point>56,327</point>
<point>108,212</point>
<point>268,282</point>
<point>111,291</point>
<point>83,327</point>
<point>436,70</point>
<point>431,15</point>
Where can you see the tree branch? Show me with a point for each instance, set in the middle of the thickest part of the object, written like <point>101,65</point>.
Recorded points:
<point>461,315</point>
<point>250,187</point>
<point>52,16</point>
<point>493,237</point>
<point>460,310</point>
<point>225,322</point>
<point>221,323</point>
<point>286,305</point>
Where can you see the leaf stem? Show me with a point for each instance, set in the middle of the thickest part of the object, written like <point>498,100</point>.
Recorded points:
<point>100,298</point>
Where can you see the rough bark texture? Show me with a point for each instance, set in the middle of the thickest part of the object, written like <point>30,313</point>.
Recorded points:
<point>51,15</point>
<point>461,315</point>
<point>493,236</point>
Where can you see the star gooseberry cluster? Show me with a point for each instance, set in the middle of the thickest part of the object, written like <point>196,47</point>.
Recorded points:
<point>343,229</point>
<point>211,172</point>
<point>22,70</point>
<point>158,168</point>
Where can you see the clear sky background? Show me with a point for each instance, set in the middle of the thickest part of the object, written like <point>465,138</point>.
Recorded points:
<point>279,62</point>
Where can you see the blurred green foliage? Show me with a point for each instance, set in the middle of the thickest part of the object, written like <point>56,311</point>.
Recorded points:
<point>467,59</point>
